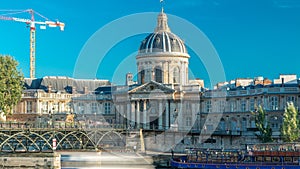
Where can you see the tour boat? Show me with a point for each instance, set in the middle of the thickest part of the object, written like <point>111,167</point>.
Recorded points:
<point>262,156</point>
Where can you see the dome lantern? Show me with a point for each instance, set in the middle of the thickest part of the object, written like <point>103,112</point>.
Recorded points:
<point>162,56</point>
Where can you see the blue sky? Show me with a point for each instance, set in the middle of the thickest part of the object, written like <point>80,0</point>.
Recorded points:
<point>252,37</point>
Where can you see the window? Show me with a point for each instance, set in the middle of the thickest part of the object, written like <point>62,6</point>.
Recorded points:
<point>29,107</point>
<point>81,108</point>
<point>107,108</point>
<point>232,106</point>
<point>142,76</point>
<point>222,106</point>
<point>274,103</point>
<point>188,105</point>
<point>252,104</point>
<point>208,106</point>
<point>222,125</point>
<point>176,75</point>
<point>158,75</point>
<point>243,105</point>
<point>188,121</point>
<point>44,107</point>
<point>94,107</point>
<point>291,99</point>
<point>244,124</point>
<point>233,124</point>
<point>259,103</point>
<point>253,125</point>
<point>68,107</point>
<point>55,107</point>
<point>215,106</point>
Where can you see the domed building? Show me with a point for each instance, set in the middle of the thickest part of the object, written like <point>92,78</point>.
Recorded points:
<point>156,102</point>
<point>162,56</point>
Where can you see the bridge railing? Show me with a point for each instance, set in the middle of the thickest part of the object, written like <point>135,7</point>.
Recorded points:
<point>22,125</point>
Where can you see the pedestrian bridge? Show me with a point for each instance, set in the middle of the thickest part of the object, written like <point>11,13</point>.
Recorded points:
<point>16,137</point>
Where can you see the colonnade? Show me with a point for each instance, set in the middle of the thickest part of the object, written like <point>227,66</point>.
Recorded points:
<point>143,114</point>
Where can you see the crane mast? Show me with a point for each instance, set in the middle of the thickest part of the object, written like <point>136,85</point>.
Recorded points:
<point>31,23</point>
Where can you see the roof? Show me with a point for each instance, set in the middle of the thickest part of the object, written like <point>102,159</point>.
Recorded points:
<point>64,84</point>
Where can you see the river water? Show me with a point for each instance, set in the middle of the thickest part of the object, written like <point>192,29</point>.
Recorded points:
<point>106,160</point>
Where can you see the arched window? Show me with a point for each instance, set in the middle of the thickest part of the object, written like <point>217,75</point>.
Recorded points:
<point>244,124</point>
<point>142,76</point>
<point>158,75</point>
<point>222,125</point>
<point>233,124</point>
<point>176,75</point>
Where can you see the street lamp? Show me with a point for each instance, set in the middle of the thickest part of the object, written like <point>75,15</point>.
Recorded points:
<point>95,119</point>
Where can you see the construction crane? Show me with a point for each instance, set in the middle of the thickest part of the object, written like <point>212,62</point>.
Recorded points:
<point>31,23</point>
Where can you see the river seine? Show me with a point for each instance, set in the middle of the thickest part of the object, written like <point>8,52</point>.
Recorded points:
<point>106,160</point>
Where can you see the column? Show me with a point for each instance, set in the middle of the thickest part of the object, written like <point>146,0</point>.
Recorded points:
<point>167,114</point>
<point>145,123</point>
<point>132,118</point>
<point>182,73</point>
<point>38,109</point>
<point>117,114</point>
<point>138,118</point>
<point>128,115</point>
<point>122,115</point>
<point>160,114</point>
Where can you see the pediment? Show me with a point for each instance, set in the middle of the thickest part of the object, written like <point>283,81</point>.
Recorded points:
<point>151,87</point>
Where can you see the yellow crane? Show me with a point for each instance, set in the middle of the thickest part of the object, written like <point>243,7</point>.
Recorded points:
<point>31,23</point>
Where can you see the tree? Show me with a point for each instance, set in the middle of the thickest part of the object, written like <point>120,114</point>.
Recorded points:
<point>265,131</point>
<point>11,85</point>
<point>290,128</point>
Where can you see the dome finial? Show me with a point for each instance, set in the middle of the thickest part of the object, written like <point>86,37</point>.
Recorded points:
<point>162,6</point>
<point>162,20</point>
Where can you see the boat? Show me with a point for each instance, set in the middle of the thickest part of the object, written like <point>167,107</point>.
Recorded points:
<point>259,156</point>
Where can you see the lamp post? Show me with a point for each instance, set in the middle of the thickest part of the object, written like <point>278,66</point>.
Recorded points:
<point>175,115</point>
<point>95,119</point>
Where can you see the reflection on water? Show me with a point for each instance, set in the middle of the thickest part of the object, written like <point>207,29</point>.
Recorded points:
<point>103,160</point>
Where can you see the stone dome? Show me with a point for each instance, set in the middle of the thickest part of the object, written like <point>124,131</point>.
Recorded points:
<point>162,40</point>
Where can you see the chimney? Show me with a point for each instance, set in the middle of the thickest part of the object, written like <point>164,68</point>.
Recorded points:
<point>282,82</point>
<point>129,80</point>
<point>73,90</point>
<point>49,88</point>
<point>85,90</point>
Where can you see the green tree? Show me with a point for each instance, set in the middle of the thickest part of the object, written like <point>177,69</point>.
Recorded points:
<point>290,128</point>
<point>11,85</point>
<point>265,131</point>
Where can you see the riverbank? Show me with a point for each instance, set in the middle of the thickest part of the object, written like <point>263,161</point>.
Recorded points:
<point>30,160</point>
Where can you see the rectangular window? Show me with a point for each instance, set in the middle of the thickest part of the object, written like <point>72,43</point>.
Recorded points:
<point>188,121</point>
<point>55,107</point>
<point>44,107</point>
<point>252,104</point>
<point>188,106</point>
<point>274,103</point>
<point>291,99</point>
<point>243,105</point>
<point>208,106</point>
<point>81,108</point>
<point>94,108</point>
<point>107,108</point>
<point>232,106</point>
<point>29,107</point>
<point>259,102</point>
<point>221,107</point>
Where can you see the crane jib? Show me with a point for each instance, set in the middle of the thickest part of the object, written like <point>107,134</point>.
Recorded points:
<point>22,20</point>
